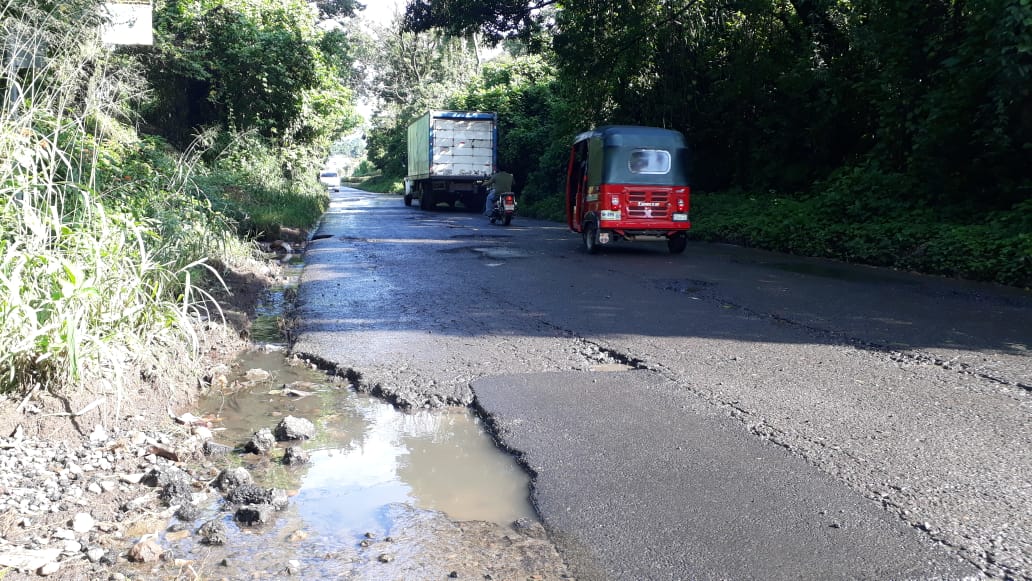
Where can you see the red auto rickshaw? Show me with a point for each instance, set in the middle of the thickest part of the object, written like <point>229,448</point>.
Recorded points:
<point>627,182</point>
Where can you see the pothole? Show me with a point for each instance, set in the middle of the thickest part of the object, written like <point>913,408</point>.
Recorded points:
<point>499,252</point>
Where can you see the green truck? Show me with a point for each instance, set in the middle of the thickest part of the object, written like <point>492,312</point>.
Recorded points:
<point>450,154</point>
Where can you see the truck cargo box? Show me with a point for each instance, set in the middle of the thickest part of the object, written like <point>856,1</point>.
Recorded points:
<point>449,154</point>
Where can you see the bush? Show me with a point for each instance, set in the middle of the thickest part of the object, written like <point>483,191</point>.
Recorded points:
<point>870,225</point>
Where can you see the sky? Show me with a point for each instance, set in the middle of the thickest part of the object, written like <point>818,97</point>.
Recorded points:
<point>381,11</point>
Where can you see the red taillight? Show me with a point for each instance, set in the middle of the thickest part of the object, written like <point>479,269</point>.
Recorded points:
<point>510,199</point>
<point>614,202</point>
<point>680,204</point>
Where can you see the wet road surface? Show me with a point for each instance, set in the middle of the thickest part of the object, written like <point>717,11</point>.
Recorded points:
<point>901,400</point>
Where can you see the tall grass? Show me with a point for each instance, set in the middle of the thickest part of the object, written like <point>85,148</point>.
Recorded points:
<point>99,260</point>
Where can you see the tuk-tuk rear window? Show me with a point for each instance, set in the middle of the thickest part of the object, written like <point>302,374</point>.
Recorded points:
<point>649,161</point>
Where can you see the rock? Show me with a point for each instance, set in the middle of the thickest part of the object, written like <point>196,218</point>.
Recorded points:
<point>27,559</point>
<point>250,494</point>
<point>253,514</point>
<point>188,512</point>
<point>176,492</point>
<point>160,476</point>
<point>202,432</point>
<point>385,558</point>
<point>212,449</point>
<point>213,532</point>
<point>49,569</point>
<point>295,455</point>
<point>291,428</point>
<point>146,551</point>
<point>95,554</point>
<point>293,567</point>
<point>231,478</point>
<point>257,375</point>
<point>71,547</point>
<point>261,442</point>
<point>139,502</point>
<point>63,534</point>
<point>99,435</point>
<point>131,478</point>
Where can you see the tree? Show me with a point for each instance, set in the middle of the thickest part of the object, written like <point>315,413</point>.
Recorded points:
<point>407,74</point>
<point>247,65</point>
<point>494,19</point>
<point>337,9</point>
<point>522,92</point>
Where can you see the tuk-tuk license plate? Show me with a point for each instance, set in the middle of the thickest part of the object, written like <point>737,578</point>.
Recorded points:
<point>509,207</point>
<point>680,217</point>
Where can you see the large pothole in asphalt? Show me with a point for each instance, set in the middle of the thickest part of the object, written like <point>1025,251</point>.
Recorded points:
<point>414,495</point>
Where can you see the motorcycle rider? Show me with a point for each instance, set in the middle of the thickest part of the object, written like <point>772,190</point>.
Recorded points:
<point>499,182</point>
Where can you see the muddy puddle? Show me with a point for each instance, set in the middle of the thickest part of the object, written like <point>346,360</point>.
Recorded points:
<point>374,471</point>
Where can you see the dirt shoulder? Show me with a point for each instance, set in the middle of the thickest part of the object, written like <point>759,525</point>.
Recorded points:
<point>90,481</point>
<point>72,463</point>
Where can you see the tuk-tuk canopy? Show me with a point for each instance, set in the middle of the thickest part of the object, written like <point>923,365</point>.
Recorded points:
<point>633,154</point>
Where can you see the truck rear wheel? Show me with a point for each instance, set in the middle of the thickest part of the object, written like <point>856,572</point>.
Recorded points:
<point>426,201</point>
<point>408,199</point>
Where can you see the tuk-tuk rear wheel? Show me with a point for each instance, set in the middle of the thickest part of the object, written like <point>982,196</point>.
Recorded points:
<point>677,243</point>
<point>590,237</point>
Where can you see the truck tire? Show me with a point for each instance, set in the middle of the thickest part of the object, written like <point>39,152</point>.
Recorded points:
<point>426,201</point>
<point>408,199</point>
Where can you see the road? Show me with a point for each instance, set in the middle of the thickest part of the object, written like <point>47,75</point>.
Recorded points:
<point>725,413</point>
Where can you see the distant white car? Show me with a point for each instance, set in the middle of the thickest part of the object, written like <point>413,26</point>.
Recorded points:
<point>330,179</point>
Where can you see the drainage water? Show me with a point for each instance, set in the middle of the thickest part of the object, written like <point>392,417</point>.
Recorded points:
<point>366,456</point>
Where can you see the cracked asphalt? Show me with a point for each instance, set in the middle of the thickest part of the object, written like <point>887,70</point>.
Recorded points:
<point>725,413</point>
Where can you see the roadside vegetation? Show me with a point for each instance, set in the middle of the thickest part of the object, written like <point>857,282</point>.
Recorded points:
<point>897,134</point>
<point>118,218</point>
<point>133,178</point>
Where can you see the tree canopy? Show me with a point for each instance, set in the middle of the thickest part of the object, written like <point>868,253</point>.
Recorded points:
<point>258,65</point>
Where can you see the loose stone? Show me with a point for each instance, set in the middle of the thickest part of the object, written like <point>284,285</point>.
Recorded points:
<point>292,428</point>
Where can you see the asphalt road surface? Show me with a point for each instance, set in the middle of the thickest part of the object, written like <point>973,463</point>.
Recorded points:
<point>721,414</point>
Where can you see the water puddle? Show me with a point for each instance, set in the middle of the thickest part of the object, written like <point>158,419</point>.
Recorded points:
<point>367,459</point>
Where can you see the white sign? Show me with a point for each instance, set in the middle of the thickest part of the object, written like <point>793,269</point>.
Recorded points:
<point>127,23</point>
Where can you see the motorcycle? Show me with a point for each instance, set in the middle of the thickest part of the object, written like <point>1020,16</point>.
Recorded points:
<point>504,208</point>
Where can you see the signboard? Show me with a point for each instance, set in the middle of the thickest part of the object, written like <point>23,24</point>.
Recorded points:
<point>127,22</point>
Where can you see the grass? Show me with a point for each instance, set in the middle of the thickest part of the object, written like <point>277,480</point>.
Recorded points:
<point>381,184</point>
<point>107,237</point>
